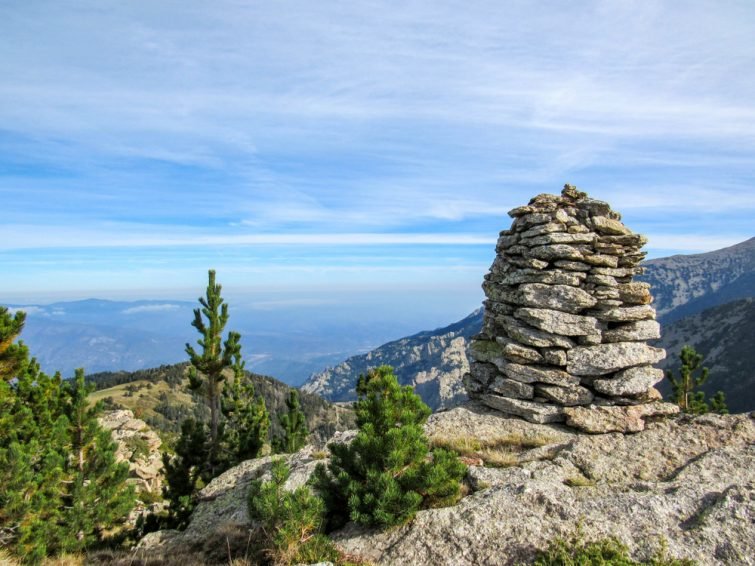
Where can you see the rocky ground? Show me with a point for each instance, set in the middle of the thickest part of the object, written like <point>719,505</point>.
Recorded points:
<point>687,482</point>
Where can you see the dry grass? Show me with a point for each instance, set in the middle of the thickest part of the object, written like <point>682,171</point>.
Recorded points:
<point>579,481</point>
<point>498,451</point>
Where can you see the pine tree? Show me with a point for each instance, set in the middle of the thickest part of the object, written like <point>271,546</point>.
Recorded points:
<point>387,472</point>
<point>13,356</point>
<point>185,472</point>
<point>206,370</point>
<point>60,486</point>
<point>98,497</point>
<point>294,424</point>
<point>685,387</point>
<point>246,420</point>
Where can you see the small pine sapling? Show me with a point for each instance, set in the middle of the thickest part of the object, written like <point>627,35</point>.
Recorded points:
<point>291,522</point>
<point>387,472</point>
<point>685,387</point>
<point>294,425</point>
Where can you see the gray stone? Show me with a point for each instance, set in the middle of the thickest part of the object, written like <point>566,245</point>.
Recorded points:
<point>608,358</point>
<point>528,262</point>
<point>601,260</point>
<point>543,229</point>
<point>554,356</point>
<point>541,374</point>
<point>567,396</point>
<point>559,297</point>
<point>560,238</point>
<point>528,410</point>
<point>572,265</point>
<point>637,293</point>
<point>549,277</point>
<point>631,418</point>
<point>512,388</point>
<point>633,331</point>
<point>557,322</point>
<point>608,226</point>
<point>518,353</point>
<point>624,314</point>
<point>555,252</point>
<point>526,334</point>
<point>632,381</point>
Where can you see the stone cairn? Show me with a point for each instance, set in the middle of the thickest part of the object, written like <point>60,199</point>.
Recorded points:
<point>565,327</point>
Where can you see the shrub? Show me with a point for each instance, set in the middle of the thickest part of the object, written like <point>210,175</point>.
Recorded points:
<point>291,522</point>
<point>388,472</point>
<point>575,551</point>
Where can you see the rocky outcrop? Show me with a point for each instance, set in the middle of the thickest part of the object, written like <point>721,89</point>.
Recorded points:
<point>687,482</point>
<point>139,446</point>
<point>684,285</point>
<point>564,317</point>
<point>432,362</point>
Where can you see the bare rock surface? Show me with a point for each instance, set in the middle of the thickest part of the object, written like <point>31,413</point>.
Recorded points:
<point>138,445</point>
<point>688,481</point>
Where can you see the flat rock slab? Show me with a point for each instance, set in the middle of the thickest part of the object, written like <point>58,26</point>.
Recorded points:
<point>559,323</point>
<point>533,412</point>
<point>602,359</point>
<point>602,419</point>
<point>632,381</point>
<point>633,331</point>
<point>558,297</point>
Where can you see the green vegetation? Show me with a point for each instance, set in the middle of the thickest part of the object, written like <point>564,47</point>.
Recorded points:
<point>239,420</point>
<point>246,420</point>
<point>500,451</point>
<point>291,521</point>
<point>62,489</point>
<point>206,369</point>
<point>387,472</point>
<point>294,425</point>
<point>575,551</point>
<point>685,387</point>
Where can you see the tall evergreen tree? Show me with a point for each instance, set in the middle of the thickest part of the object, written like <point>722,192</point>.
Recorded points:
<point>60,486</point>
<point>294,424</point>
<point>207,367</point>
<point>385,474</point>
<point>246,420</point>
<point>691,377</point>
<point>97,497</point>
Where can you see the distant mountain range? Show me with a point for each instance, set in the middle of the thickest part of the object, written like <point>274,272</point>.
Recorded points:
<point>101,335</point>
<point>705,300</point>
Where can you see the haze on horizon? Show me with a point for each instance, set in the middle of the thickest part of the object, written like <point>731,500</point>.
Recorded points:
<point>316,151</point>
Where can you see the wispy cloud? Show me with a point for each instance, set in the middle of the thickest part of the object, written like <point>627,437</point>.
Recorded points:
<point>151,308</point>
<point>232,124</point>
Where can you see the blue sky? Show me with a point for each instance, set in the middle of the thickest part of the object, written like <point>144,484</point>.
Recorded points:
<point>321,148</point>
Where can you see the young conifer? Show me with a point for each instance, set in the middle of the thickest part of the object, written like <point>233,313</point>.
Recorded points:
<point>246,420</point>
<point>207,367</point>
<point>685,387</point>
<point>294,424</point>
<point>387,472</point>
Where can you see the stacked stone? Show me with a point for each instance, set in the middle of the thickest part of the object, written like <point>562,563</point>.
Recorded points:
<point>565,326</point>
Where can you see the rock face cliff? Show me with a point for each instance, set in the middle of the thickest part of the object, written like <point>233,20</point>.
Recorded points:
<point>139,446</point>
<point>432,362</point>
<point>565,332</point>
<point>687,284</point>
<point>688,482</point>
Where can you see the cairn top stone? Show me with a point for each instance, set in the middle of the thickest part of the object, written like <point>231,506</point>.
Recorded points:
<point>565,328</point>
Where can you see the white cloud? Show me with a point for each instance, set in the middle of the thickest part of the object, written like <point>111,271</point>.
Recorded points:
<point>30,310</point>
<point>151,308</point>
